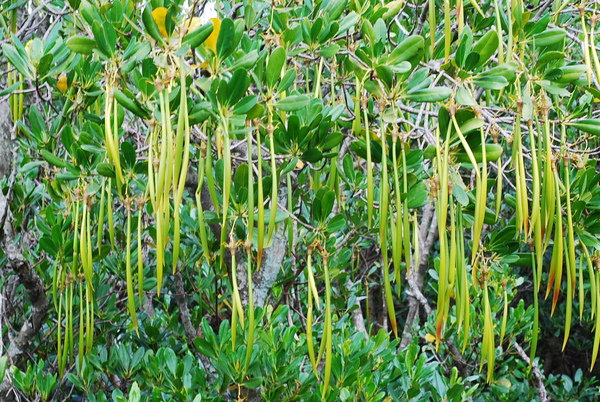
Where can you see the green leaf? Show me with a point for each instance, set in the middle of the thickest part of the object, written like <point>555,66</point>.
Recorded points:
<point>547,57</point>
<point>247,61</point>
<point>327,199</point>
<point>417,195</point>
<point>549,37</point>
<point>336,223</point>
<point>349,21</point>
<point>463,97</point>
<point>197,37</point>
<point>570,73</point>
<point>81,44</point>
<point>106,37</point>
<point>486,47</point>
<point>293,103</point>
<point>253,382</point>
<point>11,88</point>
<point>205,348</point>
<point>104,169</point>
<point>288,79</point>
<point>17,60</point>
<point>464,48</point>
<point>245,105</point>
<point>470,125</point>
<point>407,50</point>
<point>590,126</point>
<point>332,140</point>
<point>312,155</point>
<point>130,104</point>
<point>491,82</point>
<point>150,25</point>
<point>553,88</point>
<point>276,62</point>
<point>134,393</point>
<point>434,94</point>
<point>53,159</point>
<point>225,41</point>
<point>44,65</point>
<point>329,51</point>
<point>3,364</point>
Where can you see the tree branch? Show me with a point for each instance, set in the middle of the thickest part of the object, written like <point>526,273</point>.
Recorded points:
<point>34,287</point>
<point>427,238</point>
<point>538,378</point>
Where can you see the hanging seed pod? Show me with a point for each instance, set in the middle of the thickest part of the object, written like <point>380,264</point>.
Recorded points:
<point>596,273</point>
<point>226,186</point>
<point>140,261</point>
<point>480,198</point>
<point>370,185</point>
<point>488,348</point>
<point>591,280</point>
<point>128,272</point>
<point>182,155</point>
<point>261,199</point>
<point>396,232</point>
<point>585,45</point>
<point>326,341</point>
<point>112,134</point>
<point>536,219</point>
<point>463,299</point>
<point>251,324</point>
<point>312,294</point>
<point>549,187</point>
<point>405,215</point>
<point>504,310</point>
<point>593,20</point>
<point>441,189</point>
<point>100,234</point>
<point>275,182</point>
<point>556,265</point>
<point>383,224</point>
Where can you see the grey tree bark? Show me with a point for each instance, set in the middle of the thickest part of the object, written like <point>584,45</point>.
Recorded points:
<point>17,266</point>
<point>5,140</point>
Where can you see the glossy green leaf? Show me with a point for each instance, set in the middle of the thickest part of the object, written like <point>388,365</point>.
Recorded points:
<point>293,103</point>
<point>491,82</point>
<point>434,94</point>
<point>225,41</point>
<point>549,37</point>
<point>17,60</point>
<point>276,61</point>
<point>197,37</point>
<point>106,37</point>
<point>486,47</point>
<point>81,44</point>
<point>590,126</point>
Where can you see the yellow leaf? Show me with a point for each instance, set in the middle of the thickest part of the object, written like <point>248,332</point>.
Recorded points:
<point>62,83</point>
<point>160,17</point>
<point>299,165</point>
<point>505,382</point>
<point>211,41</point>
<point>430,338</point>
<point>192,24</point>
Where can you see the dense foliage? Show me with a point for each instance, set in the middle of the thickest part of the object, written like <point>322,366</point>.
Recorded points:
<point>328,200</point>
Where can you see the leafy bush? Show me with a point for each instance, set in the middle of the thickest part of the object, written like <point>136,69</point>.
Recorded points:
<point>334,200</point>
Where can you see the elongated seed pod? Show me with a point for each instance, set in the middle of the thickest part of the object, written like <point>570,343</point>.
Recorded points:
<point>128,272</point>
<point>251,324</point>
<point>383,223</point>
<point>596,323</point>
<point>309,314</point>
<point>328,331</point>
<point>370,185</point>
